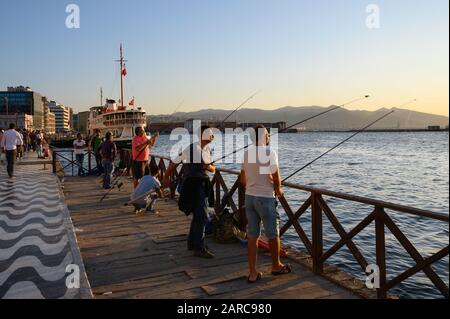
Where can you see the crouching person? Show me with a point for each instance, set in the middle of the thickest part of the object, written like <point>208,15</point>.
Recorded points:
<point>261,177</point>
<point>148,190</point>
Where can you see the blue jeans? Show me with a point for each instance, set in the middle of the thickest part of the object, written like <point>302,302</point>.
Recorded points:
<point>108,169</point>
<point>78,157</point>
<point>196,238</point>
<point>262,209</point>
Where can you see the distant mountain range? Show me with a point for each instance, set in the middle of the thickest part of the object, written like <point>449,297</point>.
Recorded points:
<point>341,119</point>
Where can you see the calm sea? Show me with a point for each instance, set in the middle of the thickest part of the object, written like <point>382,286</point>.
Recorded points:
<point>410,169</point>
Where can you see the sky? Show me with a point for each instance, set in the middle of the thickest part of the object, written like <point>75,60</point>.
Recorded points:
<point>215,53</point>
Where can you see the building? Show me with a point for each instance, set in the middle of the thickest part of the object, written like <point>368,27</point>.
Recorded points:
<point>23,100</point>
<point>80,122</point>
<point>49,121</point>
<point>63,115</point>
<point>22,121</point>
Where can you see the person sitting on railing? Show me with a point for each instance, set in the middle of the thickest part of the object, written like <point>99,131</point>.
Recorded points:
<point>108,153</point>
<point>260,176</point>
<point>149,189</point>
<point>141,151</point>
<point>79,146</point>
<point>195,189</point>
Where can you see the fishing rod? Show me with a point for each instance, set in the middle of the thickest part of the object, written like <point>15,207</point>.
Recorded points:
<point>296,124</point>
<point>239,107</point>
<point>335,147</point>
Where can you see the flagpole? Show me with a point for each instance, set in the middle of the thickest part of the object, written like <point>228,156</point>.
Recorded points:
<point>121,76</point>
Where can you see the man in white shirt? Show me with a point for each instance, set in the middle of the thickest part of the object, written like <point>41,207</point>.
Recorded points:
<point>10,142</point>
<point>260,176</point>
<point>79,148</point>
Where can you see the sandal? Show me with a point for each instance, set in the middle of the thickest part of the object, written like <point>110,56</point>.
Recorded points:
<point>287,269</point>
<point>258,278</point>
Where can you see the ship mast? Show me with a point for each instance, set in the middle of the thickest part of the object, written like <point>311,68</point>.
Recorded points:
<point>121,74</point>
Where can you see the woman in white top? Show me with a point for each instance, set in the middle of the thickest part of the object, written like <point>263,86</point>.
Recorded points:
<point>79,147</point>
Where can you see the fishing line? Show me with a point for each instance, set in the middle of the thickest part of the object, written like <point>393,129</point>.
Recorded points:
<point>336,146</point>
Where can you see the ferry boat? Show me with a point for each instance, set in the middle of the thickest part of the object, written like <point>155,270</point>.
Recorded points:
<point>117,118</point>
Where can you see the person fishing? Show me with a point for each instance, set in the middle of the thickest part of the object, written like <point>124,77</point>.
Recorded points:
<point>108,153</point>
<point>149,189</point>
<point>260,176</point>
<point>195,188</point>
<point>141,145</point>
<point>94,145</point>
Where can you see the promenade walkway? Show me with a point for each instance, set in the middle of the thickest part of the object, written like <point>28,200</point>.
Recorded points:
<point>37,242</point>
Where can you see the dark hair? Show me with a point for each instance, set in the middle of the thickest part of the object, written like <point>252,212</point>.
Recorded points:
<point>12,126</point>
<point>137,130</point>
<point>203,128</point>
<point>257,129</point>
<point>108,135</point>
<point>154,170</point>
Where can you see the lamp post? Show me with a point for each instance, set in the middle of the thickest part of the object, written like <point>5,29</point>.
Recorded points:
<point>6,104</point>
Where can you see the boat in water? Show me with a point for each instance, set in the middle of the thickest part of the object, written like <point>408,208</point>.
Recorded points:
<point>121,121</point>
<point>115,117</point>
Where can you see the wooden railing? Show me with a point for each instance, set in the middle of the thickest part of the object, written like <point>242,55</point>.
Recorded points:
<point>319,209</point>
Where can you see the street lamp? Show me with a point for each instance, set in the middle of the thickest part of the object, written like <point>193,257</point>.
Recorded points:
<point>6,103</point>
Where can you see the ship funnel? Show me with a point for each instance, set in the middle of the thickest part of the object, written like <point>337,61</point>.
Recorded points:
<point>111,105</point>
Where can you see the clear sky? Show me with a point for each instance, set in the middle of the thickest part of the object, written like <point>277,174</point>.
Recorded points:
<point>215,53</point>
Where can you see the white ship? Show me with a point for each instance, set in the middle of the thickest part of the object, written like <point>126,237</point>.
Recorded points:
<point>117,118</point>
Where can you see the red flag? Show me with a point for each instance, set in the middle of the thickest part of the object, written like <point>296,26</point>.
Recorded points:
<point>131,102</point>
<point>124,72</point>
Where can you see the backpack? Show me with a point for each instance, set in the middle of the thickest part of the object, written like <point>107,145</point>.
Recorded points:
<point>225,228</point>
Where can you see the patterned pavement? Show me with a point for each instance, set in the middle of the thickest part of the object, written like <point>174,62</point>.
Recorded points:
<point>38,248</point>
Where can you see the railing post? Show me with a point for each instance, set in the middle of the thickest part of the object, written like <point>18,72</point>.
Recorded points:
<point>380,243</point>
<point>217,201</point>
<point>317,234</point>
<point>73,172</point>
<point>241,203</point>
<point>54,161</point>
<point>89,162</point>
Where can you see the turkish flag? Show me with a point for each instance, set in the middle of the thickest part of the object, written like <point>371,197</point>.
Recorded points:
<point>131,102</point>
<point>124,72</point>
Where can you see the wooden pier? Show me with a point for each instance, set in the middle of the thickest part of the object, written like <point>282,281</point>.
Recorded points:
<point>145,256</point>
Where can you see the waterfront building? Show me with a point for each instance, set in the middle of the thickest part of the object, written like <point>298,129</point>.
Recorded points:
<point>22,121</point>
<point>23,100</point>
<point>49,121</point>
<point>63,116</point>
<point>81,122</point>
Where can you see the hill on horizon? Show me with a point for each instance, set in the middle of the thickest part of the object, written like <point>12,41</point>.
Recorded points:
<point>341,119</point>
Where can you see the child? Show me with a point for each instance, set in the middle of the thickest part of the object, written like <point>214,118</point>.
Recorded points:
<point>142,199</point>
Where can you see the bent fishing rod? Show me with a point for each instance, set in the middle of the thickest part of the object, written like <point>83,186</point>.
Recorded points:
<point>336,146</point>
<point>294,125</point>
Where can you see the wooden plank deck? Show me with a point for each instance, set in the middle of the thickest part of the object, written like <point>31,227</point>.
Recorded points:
<point>145,256</point>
